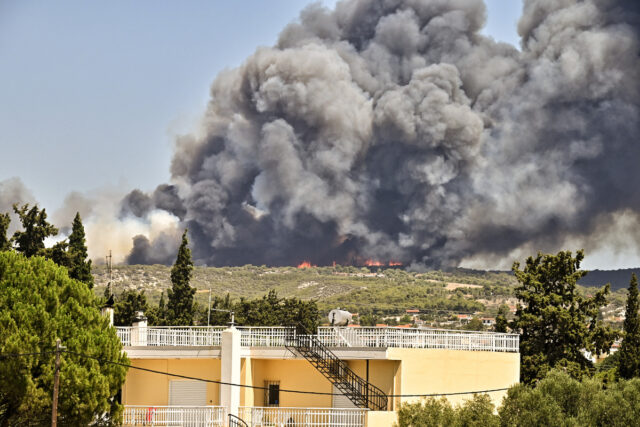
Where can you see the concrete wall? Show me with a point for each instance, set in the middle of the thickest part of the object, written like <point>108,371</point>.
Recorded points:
<point>146,388</point>
<point>451,371</point>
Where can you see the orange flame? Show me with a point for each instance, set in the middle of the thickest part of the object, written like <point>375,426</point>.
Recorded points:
<point>373,263</point>
<point>394,263</point>
<point>305,264</point>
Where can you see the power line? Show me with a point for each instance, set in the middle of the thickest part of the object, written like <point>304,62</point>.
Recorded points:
<point>266,388</point>
<point>255,387</point>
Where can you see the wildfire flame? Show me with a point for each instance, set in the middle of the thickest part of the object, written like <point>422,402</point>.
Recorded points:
<point>306,264</point>
<point>376,263</point>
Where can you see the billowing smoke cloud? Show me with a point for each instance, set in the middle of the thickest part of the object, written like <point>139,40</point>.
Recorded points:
<point>394,130</point>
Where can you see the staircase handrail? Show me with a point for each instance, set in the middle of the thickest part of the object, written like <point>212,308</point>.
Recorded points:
<point>373,395</point>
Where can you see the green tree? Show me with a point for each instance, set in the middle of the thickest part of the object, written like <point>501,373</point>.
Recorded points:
<point>126,306</point>
<point>5,243</point>
<point>35,228</point>
<point>629,358</point>
<point>502,325</point>
<point>180,308</point>
<point>38,304</point>
<point>478,411</point>
<point>556,323</point>
<point>474,324</point>
<point>560,400</point>
<point>80,266</point>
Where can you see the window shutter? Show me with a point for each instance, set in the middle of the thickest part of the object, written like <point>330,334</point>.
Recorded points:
<point>187,393</point>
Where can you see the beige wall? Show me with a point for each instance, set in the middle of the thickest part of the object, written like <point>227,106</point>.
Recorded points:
<point>450,371</point>
<point>380,418</point>
<point>410,371</point>
<point>293,375</point>
<point>146,388</point>
<point>382,374</point>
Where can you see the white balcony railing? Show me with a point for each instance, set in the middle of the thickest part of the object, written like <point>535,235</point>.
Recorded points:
<point>331,336</point>
<point>312,417</point>
<point>270,336</point>
<point>200,416</point>
<point>418,338</point>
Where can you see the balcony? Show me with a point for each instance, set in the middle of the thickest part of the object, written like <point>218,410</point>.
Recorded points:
<point>314,417</point>
<point>201,416</point>
<point>366,337</point>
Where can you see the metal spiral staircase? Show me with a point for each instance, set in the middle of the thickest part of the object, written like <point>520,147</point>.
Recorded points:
<point>362,393</point>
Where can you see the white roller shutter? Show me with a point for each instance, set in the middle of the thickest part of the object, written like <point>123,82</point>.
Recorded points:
<point>341,401</point>
<point>187,393</point>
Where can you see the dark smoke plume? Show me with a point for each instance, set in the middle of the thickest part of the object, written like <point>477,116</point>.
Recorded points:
<point>394,130</point>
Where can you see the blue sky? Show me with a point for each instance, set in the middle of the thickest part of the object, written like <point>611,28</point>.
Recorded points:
<point>94,93</point>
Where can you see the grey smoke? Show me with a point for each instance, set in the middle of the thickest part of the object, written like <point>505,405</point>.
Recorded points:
<point>394,130</point>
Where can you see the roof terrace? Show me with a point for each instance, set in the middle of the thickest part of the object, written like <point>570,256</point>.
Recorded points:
<point>359,337</point>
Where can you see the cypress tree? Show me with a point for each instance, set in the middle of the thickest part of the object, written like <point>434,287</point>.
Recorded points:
<point>502,325</point>
<point>80,267</point>
<point>630,349</point>
<point>5,244</point>
<point>30,241</point>
<point>180,308</point>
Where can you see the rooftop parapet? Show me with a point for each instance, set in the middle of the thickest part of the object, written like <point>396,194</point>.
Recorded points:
<point>365,337</point>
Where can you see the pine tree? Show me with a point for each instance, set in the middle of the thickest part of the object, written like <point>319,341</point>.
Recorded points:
<point>555,321</point>
<point>5,244</point>
<point>180,308</point>
<point>39,303</point>
<point>630,349</point>
<point>80,267</point>
<point>30,241</point>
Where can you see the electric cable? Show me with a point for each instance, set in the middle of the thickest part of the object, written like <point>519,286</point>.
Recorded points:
<point>318,393</point>
<point>266,388</point>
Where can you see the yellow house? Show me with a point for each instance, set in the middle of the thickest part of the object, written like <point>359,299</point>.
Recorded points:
<point>276,376</point>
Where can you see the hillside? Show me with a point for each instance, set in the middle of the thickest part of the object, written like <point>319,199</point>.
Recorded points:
<point>358,289</point>
<point>384,291</point>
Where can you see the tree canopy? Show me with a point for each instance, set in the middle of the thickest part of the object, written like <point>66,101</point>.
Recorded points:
<point>180,307</point>
<point>557,325</point>
<point>38,304</point>
<point>5,243</point>
<point>629,358</point>
<point>35,228</point>
<point>557,400</point>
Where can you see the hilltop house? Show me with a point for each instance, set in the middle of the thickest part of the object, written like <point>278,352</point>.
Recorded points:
<point>277,376</point>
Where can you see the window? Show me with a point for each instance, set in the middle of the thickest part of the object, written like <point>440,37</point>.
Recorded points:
<point>272,393</point>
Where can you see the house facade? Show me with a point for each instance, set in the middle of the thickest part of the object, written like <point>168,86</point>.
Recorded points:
<point>335,376</point>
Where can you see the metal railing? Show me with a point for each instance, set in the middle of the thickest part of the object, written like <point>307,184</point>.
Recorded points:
<point>196,416</point>
<point>312,417</point>
<point>329,336</point>
<point>418,338</point>
<point>362,393</point>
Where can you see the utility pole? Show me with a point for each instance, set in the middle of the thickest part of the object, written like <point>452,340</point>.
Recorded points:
<point>209,314</point>
<point>110,271</point>
<point>56,385</point>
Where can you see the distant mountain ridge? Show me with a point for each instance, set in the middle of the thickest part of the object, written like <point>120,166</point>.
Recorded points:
<point>618,279</point>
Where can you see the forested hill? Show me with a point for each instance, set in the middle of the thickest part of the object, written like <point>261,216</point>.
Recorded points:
<point>618,279</point>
